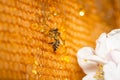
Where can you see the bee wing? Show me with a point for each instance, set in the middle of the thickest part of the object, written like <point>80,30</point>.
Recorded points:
<point>61,41</point>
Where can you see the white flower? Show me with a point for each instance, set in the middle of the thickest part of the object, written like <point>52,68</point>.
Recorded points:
<point>92,61</point>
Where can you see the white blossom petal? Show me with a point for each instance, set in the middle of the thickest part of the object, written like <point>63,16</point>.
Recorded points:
<point>101,47</point>
<point>115,55</point>
<point>86,65</point>
<point>115,32</point>
<point>118,72</point>
<point>113,40</point>
<point>85,51</point>
<point>96,59</point>
<point>109,71</point>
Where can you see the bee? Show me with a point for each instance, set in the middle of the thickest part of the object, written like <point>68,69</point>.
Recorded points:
<point>55,44</point>
<point>54,33</point>
<point>57,39</point>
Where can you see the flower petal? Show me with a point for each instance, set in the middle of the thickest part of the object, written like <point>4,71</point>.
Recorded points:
<point>96,59</point>
<point>109,71</point>
<point>113,41</point>
<point>101,47</point>
<point>115,55</point>
<point>115,32</point>
<point>86,65</point>
<point>85,51</point>
<point>89,77</point>
<point>118,72</point>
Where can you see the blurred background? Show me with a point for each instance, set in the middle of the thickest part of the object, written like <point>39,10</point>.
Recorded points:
<point>39,39</point>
